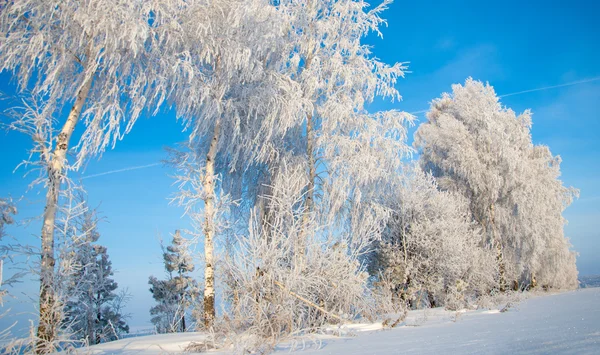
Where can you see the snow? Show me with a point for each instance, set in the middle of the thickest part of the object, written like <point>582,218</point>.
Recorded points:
<point>561,323</point>
<point>151,344</point>
<point>556,323</point>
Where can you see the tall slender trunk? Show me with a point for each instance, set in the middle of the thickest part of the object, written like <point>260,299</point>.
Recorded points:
<point>263,201</point>
<point>309,199</point>
<point>310,147</point>
<point>49,320</point>
<point>183,303</point>
<point>209,229</point>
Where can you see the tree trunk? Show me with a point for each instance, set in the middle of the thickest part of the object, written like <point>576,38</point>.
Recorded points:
<point>309,199</point>
<point>431,300</point>
<point>90,318</point>
<point>209,229</point>
<point>49,319</point>
<point>98,329</point>
<point>183,321</point>
<point>265,215</point>
<point>499,255</point>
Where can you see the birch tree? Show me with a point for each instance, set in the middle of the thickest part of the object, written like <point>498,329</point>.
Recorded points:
<point>482,150</point>
<point>546,255</point>
<point>85,56</point>
<point>268,299</point>
<point>346,148</point>
<point>244,101</point>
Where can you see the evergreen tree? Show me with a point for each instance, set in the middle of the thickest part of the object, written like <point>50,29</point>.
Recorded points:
<point>7,210</point>
<point>178,292</point>
<point>94,309</point>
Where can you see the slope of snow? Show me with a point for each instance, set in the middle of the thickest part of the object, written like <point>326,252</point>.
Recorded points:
<point>561,323</point>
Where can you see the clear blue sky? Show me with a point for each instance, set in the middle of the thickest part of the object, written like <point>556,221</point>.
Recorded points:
<point>515,45</point>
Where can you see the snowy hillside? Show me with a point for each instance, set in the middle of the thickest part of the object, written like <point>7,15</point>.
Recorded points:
<point>560,323</point>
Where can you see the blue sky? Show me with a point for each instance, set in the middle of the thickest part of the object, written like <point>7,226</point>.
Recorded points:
<point>514,45</point>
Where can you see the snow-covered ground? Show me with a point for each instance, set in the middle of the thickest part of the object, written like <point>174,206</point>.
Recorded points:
<point>548,324</point>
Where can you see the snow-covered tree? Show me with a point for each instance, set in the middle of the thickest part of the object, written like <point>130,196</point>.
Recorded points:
<point>241,105</point>
<point>89,57</point>
<point>269,296</point>
<point>93,309</point>
<point>482,150</point>
<point>431,250</point>
<point>538,202</point>
<point>347,149</point>
<point>178,292</point>
<point>7,211</point>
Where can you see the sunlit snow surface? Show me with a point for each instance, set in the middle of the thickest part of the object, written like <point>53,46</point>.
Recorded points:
<point>548,324</point>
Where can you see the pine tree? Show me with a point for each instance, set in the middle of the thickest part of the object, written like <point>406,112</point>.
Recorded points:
<point>7,210</point>
<point>93,311</point>
<point>178,292</point>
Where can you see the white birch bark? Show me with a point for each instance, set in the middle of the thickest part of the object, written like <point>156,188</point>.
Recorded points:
<point>209,229</point>
<point>48,324</point>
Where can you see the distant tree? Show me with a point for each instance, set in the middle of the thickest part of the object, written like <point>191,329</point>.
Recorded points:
<point>178,292</point>
<point>7,210</point>
<point>93,308</point>
<point>482,150</point>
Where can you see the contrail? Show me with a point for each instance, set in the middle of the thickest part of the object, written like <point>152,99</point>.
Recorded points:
<point>552,87</point>
<point>534,90</point>
<point>120,170</point>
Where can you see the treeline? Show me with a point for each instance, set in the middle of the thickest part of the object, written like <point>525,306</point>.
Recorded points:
<point>306,194</point>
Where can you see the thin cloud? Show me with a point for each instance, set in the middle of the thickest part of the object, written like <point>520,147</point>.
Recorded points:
<point>120,170</point>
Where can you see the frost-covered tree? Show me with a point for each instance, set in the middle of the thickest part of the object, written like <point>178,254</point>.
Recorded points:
<point>241,101</point>
<point>178,292</point>
<point>87,57</point>
<point>347,149</point>
<point>483,151</point>
<point>431,250</point>
<point>93,310</point>
<point>546,257</point>
<point>268,296</point>
<point>7,211</point>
